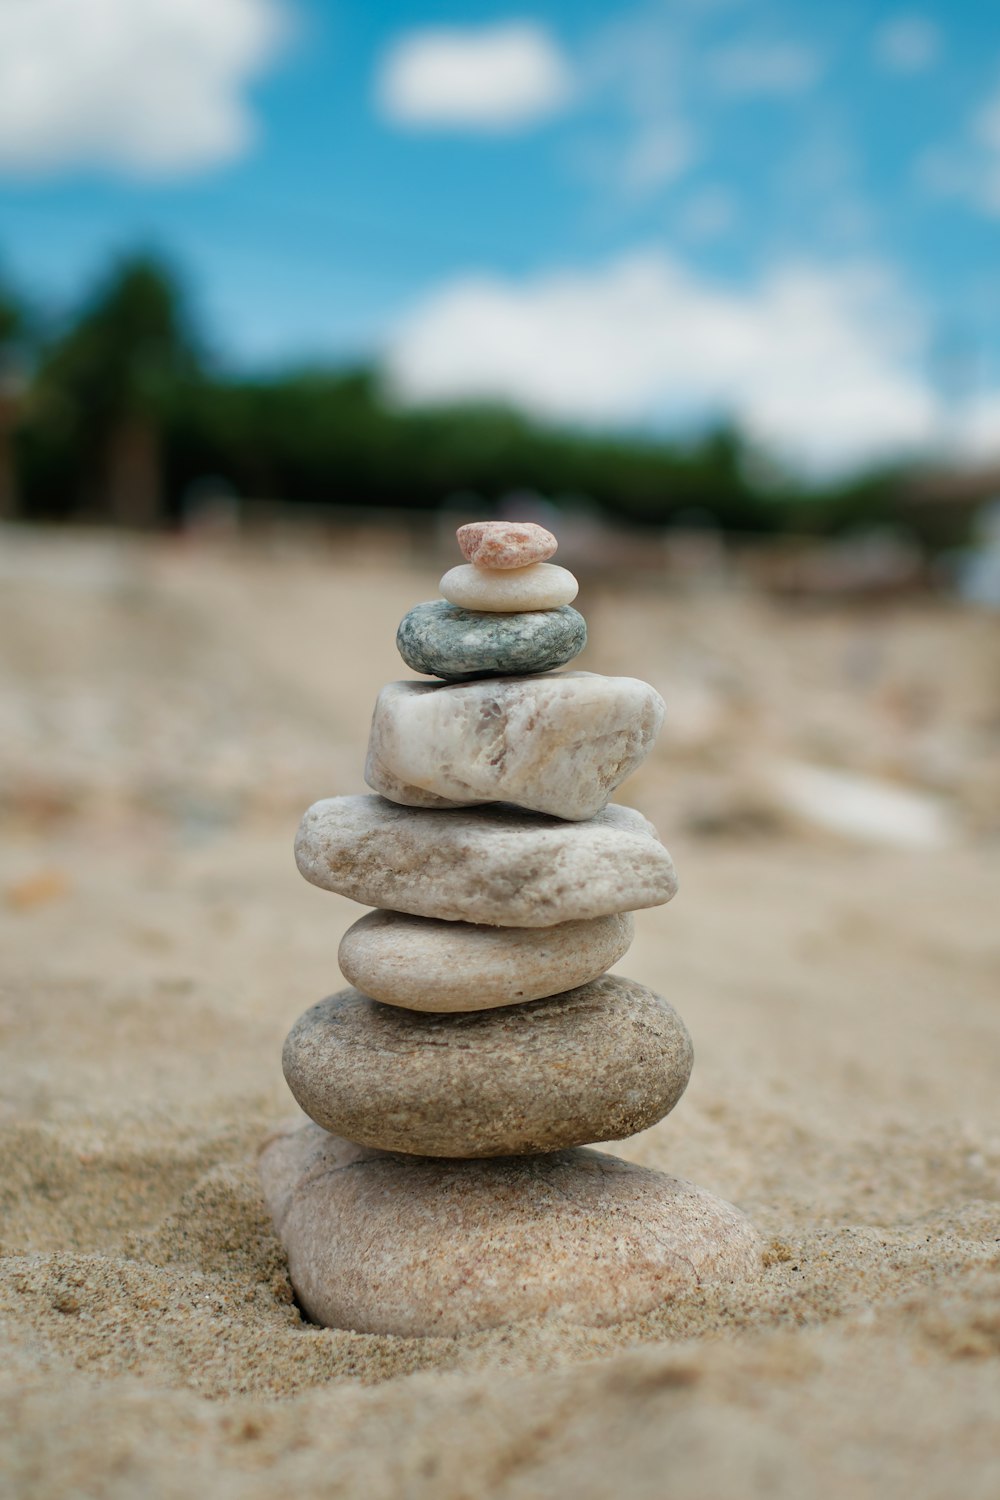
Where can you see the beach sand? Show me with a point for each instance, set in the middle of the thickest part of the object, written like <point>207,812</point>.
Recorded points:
<point>166,713</point>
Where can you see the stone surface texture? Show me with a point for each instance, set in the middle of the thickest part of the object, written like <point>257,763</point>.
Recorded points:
<point>461,966</point>
<point>442,640</point>
<point>540,586</point>
<point>505,544</point>
<point>496,865</point>
<point>559,744</point>
<point>385,1244</point>
<point>597,1063</point>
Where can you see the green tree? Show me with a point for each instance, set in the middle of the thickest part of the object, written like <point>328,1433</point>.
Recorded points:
<point>14,334</point>
<point>116,372</point>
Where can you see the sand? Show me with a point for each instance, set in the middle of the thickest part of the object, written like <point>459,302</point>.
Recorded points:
<point>165,715</point>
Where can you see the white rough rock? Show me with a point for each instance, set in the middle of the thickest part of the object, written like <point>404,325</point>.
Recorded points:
<point>438,966</point>
<point>509,590</point>
<point>496,865</point>
<point>556,744</point>
<point>415,1247</point>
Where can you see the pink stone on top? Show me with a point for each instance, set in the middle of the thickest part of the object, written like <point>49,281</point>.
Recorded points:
<point>505,544</point>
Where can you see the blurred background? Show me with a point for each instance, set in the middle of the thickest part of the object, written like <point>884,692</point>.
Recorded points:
<point>288,289</point>
<point>729,267</point>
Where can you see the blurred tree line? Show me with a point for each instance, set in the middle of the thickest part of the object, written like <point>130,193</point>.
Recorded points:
<point>118,416</point>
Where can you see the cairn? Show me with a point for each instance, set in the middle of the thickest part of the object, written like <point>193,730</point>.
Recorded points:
<point>483,1044</point>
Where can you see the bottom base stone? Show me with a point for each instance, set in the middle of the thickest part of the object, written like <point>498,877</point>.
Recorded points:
<point>417,1246</point>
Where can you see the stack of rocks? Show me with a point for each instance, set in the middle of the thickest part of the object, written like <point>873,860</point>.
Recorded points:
<point>483,1041</point>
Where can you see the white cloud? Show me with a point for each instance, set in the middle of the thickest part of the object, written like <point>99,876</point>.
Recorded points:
<point>636,67</point>
<point>780,68</point>
<point>149,86</point>
<point>948,172</point>
<point>820,364</point>
<point>986,124</point>
<point>908,44</point>
<point>495,78</point>
<point>850,220</point>
<point>709,215</point>
<point>658,154</point>
<point>975,428</point>
<point>969,172</point>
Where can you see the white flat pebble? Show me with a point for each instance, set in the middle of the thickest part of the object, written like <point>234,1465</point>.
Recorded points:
<point>509,590</point>
<point>493,864</point>
<point>558,744</point>
<point>428,965</point>
<point>417,1247</point>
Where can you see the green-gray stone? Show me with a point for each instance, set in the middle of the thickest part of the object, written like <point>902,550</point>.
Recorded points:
<point>441,640</point>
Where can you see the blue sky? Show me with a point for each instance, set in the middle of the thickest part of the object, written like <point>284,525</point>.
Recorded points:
<point>616,214</point>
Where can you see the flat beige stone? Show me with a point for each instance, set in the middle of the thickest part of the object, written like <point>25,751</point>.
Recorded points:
<point>505,544</point>
<point>509,590</point>
<point>598,1063</point>
<point>496,865</point>
<point>386,1244</point>
<point>556,744</point>
<point>438,966</point>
